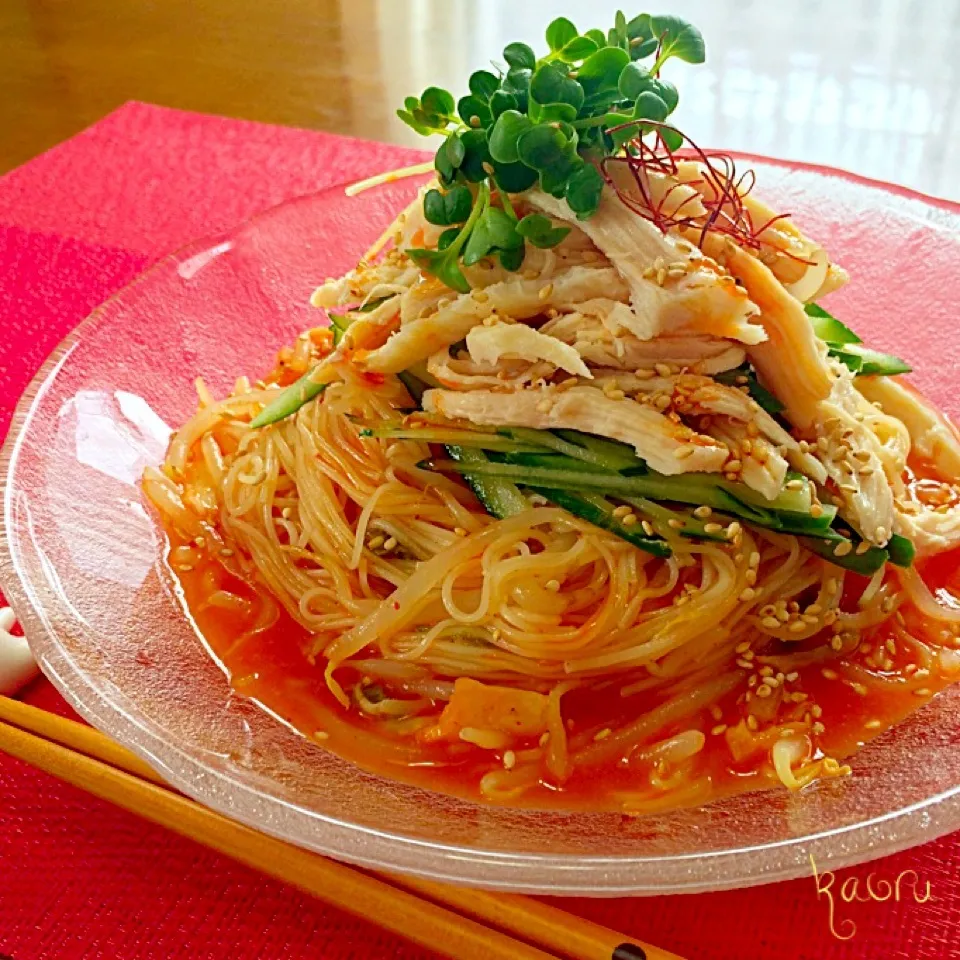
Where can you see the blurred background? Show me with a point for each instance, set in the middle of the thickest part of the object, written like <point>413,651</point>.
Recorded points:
<point>869,85</point>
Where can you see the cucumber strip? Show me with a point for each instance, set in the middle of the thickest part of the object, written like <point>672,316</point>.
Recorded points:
<point>549,461</point>
<point>901,550</point>
<point>867,563</point>
<point>499,497</point>
<point>661,517</point>
<point>461,438</point>
<point>872,363</point>
<point>604,452</point>
<point>745,377</point>
<point>687,488</point>
<point>845,346</point>
<point>827,327</point>
<point>599,511</point>
<point>289,401</point>
<point>610,456</point>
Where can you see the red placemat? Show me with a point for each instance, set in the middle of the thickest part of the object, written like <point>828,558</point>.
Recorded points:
<point>79,879</point>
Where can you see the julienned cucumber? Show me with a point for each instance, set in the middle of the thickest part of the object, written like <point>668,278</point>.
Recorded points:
<point>289,401</point>
<point>500,497</point>
<point>785,514</point>
<point>848,348</point>
<point>599,511</point>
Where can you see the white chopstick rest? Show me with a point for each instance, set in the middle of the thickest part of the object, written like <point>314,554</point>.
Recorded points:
<point>17,666</point>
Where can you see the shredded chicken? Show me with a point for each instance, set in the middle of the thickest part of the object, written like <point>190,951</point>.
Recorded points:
<point>673,287</point>
<point>463,373</point>
<point>595,342</point>
<point>799,263</point>
<point>516,298</point>
<point>517,341</point>
<point>932,528</point>
<point>667,446</point>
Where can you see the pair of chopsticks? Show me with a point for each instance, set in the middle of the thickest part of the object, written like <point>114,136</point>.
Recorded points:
<point>452,921</point>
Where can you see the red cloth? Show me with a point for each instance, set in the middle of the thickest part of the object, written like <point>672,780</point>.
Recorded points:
<point>81,879</point>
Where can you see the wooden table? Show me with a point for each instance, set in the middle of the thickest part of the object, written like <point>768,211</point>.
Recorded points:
<point>853,84</point>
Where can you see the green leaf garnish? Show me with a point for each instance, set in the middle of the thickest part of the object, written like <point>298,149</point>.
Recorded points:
<point>546,121</point>
<point>560,32</point>
<point>677,38</point>
<point>520,55</point>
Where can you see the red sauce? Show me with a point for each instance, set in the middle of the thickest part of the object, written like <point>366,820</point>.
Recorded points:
<point>855,696</point>
<point>271,666</point>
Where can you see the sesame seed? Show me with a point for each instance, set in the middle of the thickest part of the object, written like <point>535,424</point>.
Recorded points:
<point>718,729</point>
<point>391,544</point>
<point>733,465</point>
<point>702,513</point>
<point>771,623</point>
<point>873,725</point>
<point>663,369</point>
<point>630,520</point>
<point>226,552</point>
<point>764,691</point>
<point>684,452</point>
<point>675,524</point>
<point>509,760</point>
<point>798,626</point>
<point>752,722</point>
<point>923,692</point>
<point>842,548</point>
<point>794,485</point>
<point>545,292</point>
<point>622,511</point>
<point>647,527</point>
<point>553,585</point>
<point>829,674</point>
<point>734,530</point>
<point>459,532</point>
<point>603,734</point>
<point>816,510</point>
<point>748,595</point>
<point>712,528</point>
<point>544,738</point>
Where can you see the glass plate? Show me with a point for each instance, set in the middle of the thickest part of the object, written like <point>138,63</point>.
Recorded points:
<point>79,563</point>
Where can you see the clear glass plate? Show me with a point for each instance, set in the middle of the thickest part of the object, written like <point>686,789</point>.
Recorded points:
<point>79,563</point>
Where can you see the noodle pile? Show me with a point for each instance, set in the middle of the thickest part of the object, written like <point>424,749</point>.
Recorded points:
<point>538,649</point>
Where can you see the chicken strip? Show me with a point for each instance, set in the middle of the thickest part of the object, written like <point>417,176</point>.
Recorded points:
<point>932,529</point>
<point>517,341</point>
<point>674,288</point>
<point>517,298</point>
<point>596,343</point>
<point>791,362</point>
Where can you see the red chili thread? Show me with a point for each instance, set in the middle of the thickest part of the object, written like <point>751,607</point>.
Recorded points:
<point>726,213</point>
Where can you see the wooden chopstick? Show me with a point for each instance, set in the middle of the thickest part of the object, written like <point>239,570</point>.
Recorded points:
<point>480,927</point>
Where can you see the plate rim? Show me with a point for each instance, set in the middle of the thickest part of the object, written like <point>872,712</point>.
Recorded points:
<point>943,808</point>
